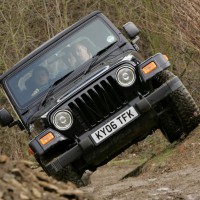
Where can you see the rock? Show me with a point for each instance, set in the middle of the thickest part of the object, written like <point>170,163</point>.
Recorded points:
<point>36,193</point>
<point>3,158</point>
<point>24,196</point>
<point>86,177</point>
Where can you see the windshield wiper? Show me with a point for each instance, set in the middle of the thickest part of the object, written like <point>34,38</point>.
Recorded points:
<point>96,56</point>
<point>44,100</point>
<point>51,89</point>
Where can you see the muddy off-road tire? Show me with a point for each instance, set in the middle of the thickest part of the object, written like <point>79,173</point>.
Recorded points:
<point>66,174</point>
<point>183,115</point>
<point>69,174</point>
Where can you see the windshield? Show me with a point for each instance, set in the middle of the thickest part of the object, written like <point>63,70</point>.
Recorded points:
<point>33,81</point>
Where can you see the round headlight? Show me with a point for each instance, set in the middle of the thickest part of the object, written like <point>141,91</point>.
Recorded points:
<point>125,76</point>
<point>62,119</point>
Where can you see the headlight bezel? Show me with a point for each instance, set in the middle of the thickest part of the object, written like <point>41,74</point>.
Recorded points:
<point>132,69</point>
<point>55,124</point>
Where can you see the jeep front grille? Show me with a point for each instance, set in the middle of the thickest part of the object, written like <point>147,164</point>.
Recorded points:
<point>97,103</point>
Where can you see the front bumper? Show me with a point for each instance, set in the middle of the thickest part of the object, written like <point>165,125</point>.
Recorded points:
<point>86,144</point>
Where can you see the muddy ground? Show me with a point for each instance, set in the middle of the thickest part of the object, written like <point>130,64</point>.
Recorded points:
<point>152,169</point>
<point>20,180</point>
<point>170,171</point>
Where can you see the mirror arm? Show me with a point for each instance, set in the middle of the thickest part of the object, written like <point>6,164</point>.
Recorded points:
<point>133,42</point>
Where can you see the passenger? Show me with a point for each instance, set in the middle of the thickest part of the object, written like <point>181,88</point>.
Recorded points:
<point>81,52</point>
<point>69,59</point>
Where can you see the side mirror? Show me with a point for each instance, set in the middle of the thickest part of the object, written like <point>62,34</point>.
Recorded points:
<point>131,29</point>
<point>5,117</point>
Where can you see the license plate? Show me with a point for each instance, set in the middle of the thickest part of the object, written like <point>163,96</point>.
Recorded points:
<point>113,125</point>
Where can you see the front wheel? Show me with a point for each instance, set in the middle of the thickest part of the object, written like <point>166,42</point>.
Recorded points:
<point>183,114</point>
<point>69,174</point>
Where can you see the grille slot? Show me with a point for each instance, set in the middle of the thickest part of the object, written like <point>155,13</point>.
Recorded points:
<point>97,103</point>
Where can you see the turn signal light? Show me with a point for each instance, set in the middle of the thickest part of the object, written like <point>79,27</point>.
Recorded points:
<point>149,68</point>
<point>31,152</point>
<point>165,57</point>
<point>47,138</point>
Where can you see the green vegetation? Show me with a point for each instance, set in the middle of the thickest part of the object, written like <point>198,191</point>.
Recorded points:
<point>171,27</point>
<point>164,156</point>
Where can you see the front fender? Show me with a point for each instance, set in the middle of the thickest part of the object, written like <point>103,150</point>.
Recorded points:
<point>40,149</point>
<point>159,63</point>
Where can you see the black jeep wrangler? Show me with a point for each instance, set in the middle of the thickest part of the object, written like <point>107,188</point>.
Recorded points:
<point>86,96</point>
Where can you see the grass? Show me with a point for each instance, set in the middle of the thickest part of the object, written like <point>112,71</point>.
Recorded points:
<point>163,156</point>
<point>136,160</point>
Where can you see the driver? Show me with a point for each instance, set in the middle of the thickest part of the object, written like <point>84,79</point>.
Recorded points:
<point>69,58</point>
<point>40,80</point>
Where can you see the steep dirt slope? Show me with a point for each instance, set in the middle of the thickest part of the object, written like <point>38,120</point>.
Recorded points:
<point>172,173</point>
<point>153,170</point>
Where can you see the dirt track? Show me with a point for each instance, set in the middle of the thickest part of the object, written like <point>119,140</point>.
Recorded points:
<point>180,184</point>
<point>173,173</point>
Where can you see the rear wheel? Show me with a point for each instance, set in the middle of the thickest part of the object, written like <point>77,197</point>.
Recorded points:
<point>183,114</point>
